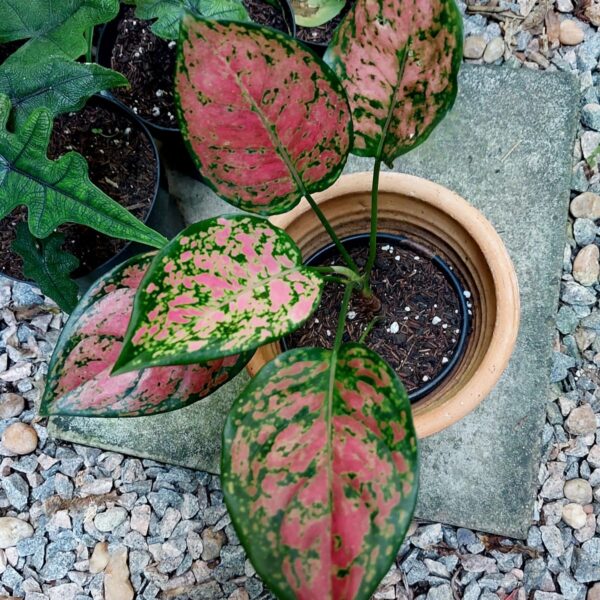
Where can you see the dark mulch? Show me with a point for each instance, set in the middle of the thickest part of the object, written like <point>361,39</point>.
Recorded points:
<point>414,294</point>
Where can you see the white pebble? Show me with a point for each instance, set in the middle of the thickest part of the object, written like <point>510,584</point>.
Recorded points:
<point>445,326</point>
<point>328,333</point>
<point>436,321</point>
<point>394,327</point>
<point>444,360</point>
<point>351,315</point>
<point>467,294</point>
<point>425,378</point>
<point>397,257</point>
<point>407,308</point>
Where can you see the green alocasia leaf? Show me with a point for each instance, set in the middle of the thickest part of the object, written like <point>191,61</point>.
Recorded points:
<point>79,380</point>
<point>57,191</point>
<point>265,119</point>
<point>52,27</point>
<point>48,265</point>
<point>399,62</point>
<point>57,84</point>
<point>223,286</point>
<point>319,470</point>
<point>168,13</point>
<point>312,13</point>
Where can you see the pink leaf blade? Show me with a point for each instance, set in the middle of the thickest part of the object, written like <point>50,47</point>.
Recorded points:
<point>223,286</point>
<point>80,382</point>
<point>321,484</point>
<point>397,103</point>
<point>263,116</point>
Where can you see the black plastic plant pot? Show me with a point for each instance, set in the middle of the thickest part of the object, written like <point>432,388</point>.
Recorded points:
<point>361,240</point>
<point>163,214</point>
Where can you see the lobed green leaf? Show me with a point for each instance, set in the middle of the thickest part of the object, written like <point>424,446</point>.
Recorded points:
<point>223,286</point>
<point>319,472</point>
<point>169,13</point>
<point>48,265</point>
<point>52,27</point>
<point>57,192</point>
<point>57,84</point>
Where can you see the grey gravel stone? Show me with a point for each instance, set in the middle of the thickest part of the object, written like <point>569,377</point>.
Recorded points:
<point>16,490</point>
<point>110,519</point>
<point>561,363</point>
<point>427,536</point>
<point>441,592</point>
<point>566,320</point>
<point>574,293</point>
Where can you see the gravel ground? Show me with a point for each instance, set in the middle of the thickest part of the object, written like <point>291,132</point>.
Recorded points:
<point>79,523</point>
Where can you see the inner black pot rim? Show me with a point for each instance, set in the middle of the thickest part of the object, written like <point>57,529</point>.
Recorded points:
<point>359,239</point>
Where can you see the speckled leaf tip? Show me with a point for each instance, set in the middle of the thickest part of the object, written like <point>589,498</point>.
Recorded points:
<point>319,472</point>
<point>79,380</point>
<point>262,115</point>
<point>398,61</point>
<point>223,286</point>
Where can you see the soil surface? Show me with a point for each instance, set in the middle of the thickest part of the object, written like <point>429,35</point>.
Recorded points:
<point>148,62</point>
<point>121,163</point>
<point>419,322</point>
<point>263,13</point>
<point>322,34</point>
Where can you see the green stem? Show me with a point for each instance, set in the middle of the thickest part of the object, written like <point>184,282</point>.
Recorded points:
<point>402,56</point>
<point>349,274</point>
<point>373,233</point>
<point>368,330</point>
<point>342,319</point>
<point>89,34</point>
<point>332,234</point>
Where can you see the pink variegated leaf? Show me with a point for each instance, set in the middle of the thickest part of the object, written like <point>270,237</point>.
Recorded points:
<point>319,471</point>
<point>223,286</point>
<point>399,62</point>
<point>265,119</point>
<point>79,379</point>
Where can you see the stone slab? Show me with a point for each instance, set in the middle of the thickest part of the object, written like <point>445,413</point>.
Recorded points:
<point>506,147</point>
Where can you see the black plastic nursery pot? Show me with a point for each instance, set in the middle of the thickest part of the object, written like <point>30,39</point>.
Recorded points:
<point>162,213</point>
<point>420,253</point>
<point>171,141</point>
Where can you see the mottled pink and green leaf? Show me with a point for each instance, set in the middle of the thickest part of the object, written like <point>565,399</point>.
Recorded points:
<point>319,472</point>
<point>263,116</point>
<point>80,381</point>
<point>398,61</point>
<point>223,286</point>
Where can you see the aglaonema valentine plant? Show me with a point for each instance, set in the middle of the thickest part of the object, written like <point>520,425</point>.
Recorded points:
<point>319,461</point>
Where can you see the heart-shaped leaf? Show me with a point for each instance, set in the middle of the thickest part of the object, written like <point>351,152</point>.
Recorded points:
<point>312,13</point>
<point>319,472</point>
<point>57,191</point>
<point>399,62</point>
<point>52,27</point>
<point>79,380</point>
<point>48,265</point>
<point>265,118</point>
<point>168,13</point>
<point>222,286</point>
<point>57,84</point>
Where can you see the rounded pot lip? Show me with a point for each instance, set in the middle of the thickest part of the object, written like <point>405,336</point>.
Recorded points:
<point>432,419</point>
<point>105,99</point>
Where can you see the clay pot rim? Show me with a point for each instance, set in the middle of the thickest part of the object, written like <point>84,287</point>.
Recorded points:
<point>432,419</point>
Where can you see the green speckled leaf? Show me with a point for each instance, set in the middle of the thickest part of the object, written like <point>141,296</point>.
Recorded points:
<point>399,61</point>
<point>79,379</point>
<point>319,471</point>
<point>223,286</point>
<point>312,13</point>
<point>265,119</point>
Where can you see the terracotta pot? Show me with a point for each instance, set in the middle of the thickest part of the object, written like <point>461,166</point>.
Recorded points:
<point>444,222</point>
